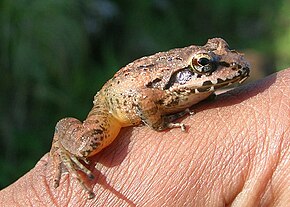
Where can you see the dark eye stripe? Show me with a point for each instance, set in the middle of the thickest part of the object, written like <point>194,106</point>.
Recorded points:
<point>181,77</point>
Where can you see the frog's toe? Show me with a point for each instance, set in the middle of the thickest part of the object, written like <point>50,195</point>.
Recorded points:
<point>177,125</point>
<point>74,160</point>
<point>56,179</point>
<point>72,164</point>
<point>91,195</point>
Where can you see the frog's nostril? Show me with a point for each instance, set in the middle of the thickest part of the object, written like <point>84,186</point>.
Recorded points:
<point>235,66</point>
<point>246,71</point>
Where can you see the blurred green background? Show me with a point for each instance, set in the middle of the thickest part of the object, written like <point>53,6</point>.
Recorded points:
<point>56,54</point>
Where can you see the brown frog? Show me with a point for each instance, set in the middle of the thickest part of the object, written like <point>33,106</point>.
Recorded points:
<point>155,90</point>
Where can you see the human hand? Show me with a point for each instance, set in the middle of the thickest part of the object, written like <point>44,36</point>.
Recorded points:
<point>235,152</point>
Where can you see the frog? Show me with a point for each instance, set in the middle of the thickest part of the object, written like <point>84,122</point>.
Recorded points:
<point>154,90</point>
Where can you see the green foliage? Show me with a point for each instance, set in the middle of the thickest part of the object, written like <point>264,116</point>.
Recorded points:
<point>55,55</point>
<point>43,49</point>
<point>282,36</point>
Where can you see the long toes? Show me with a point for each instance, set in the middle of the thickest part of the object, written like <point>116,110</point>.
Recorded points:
<point>176,125</point>
<point>91,195</point>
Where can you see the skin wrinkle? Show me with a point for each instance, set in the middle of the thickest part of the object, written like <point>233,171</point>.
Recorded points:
<point>275,135</point>
<point>47,188</point>
<point>129,178</point>
<point>227,160</point>
<point>198,171</point>
<point>225,167</point>
<point>226,149</point>
<point>109,200</point>
<point>131,188</point>
<point>241,130</point>
<point>185,186</point>
<point>271,172</point>
<point>101,197</point>
<point>151,180</point>
<point>113,176</point>
<point>251,176</point>
<point>125,177</point>
<point>235,184</point>
<point>184,175</point>
<point>277,171</point>
<point>57,193</point>
<point>68,193</point>
<point>211,184</point>
<point>167,174</point>
<point>180,195</point>
<point>267,197</point>
<point>170,164</point>
<point>249,147</point>
<point>202,170</point>
<point>285,148</point>
<point>201,183</point>
<point>283,157</point>
<point>284,180</point>
<point>187,174</point>
<point>116,195</point>
<point>47,184</point>
<point>145,181</point>
<point>222,149</point>
<point>232,134</point>
<point>274,188</point>
<point>170,196</point>
<point>200,133</point>
<point>32,190</point>
<point>38,199</point>
<point>148,159</point>
<point>266,136</point>
<point>244,168</point>
<point>157,182</point>
<point>268,118</point>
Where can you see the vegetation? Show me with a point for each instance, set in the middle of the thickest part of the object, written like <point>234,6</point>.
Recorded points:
<point>55,55</point>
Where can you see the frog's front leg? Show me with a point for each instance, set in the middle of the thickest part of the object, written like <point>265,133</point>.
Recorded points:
<point>75,140</point>
<point>150,109</point>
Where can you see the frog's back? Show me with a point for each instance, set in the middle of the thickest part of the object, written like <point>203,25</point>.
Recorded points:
<point>149,69</point>
<point>156,63</point>
<point>146,72</point>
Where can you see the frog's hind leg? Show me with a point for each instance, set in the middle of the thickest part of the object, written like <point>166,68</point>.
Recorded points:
<point>71,163</point>
<point>75,140</point>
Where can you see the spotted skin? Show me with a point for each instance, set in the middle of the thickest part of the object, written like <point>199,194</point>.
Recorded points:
<point>155,90</point>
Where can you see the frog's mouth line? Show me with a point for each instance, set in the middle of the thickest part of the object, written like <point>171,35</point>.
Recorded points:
<point>185,75</point>
<point>208,85</point>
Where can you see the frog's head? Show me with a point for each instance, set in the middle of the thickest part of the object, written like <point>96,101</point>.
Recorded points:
<point>209,67</point>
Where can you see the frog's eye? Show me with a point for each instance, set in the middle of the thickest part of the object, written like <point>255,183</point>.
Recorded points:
<point>202,63</point>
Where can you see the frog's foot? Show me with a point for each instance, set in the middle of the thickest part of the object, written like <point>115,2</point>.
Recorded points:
<point>61,156</point>
<point>176,125</point>
<point>170,118</point>
<point>173,117</point>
